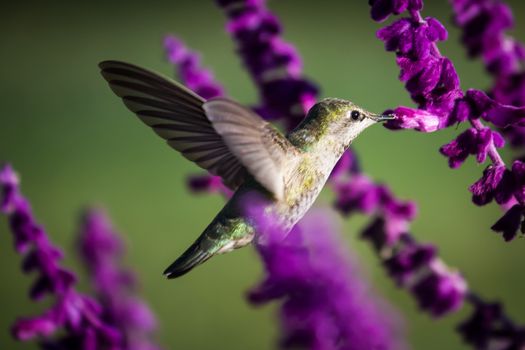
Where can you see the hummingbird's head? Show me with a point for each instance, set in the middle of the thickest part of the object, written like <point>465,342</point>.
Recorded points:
<point>340,120</point>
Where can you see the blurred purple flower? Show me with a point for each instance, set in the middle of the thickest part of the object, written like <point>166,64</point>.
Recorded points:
<point>417,267</point>
<point>441,290</point>
<point>326,304</point>
<point>102,251</point>
<point>489,328</point>
<point>358,194</point>
<point>208,184</point>
<point>189,69</point>
<point>80,316</point>
<point>347,164</point>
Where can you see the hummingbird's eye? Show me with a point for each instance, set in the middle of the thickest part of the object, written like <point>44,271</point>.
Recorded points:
<point>355,115</point>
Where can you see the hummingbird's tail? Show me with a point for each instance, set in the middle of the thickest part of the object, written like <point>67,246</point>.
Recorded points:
<point>193,256</point>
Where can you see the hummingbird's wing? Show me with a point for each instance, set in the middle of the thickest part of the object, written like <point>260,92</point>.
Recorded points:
<point>176,114</point>
<point>220,136</point>
<point>261,148</point>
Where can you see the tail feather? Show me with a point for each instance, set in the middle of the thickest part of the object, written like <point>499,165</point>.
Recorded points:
<point>192,257</point>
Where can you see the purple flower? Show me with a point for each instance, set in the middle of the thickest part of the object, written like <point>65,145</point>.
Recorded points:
<point>500,115</point>
<point>430,78</point>
<point>102,252</point>
<point>441,291</point>
<point>417,119</point>
<point>506,187</point>
<point>189,69</point>
<point>518,174</point>
<point>484,24</point>
<point>404,265</point>
<point>396,213</point>
<point>325,302</point>
<point>10,182</point>
<point>274,64</point>
<point>509,224</point>
<point>510,90</point>
<point>484,190</point>
<point>471,142</point>
<point>77,314</point>
<point>436,288</point>
<point>489,328</point>
<point>347,164</point>
<point>381,9</point>
<point>358,194</point>
<point>483,321</point>
<point>208,184</point>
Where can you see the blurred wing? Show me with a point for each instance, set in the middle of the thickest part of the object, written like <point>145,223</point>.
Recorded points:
<point>257,144</point>
<point>175,114</point>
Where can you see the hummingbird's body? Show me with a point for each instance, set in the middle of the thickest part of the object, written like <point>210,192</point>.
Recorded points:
<point>248,153</point>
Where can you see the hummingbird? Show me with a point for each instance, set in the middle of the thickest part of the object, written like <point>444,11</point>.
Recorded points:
<point>248,153</point>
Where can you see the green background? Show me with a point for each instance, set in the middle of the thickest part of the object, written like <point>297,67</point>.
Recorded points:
<point>74,143</point>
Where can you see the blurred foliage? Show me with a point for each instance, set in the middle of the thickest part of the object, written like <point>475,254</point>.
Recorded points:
<point>74,143</point>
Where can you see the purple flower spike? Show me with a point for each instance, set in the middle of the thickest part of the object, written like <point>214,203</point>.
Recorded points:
<point>484,24</point>
<point>80,316</point>
<point>436,288</point>
<point>417,267</point>
<point>102,252</point>
<point>189,69</point>
<point>326,304</point>
<point>434,85</point>
<point>274,64</point>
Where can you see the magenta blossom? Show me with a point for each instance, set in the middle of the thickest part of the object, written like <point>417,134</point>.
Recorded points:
<point>102,251</point>
<point>78,317</point>
<point>326,304</point>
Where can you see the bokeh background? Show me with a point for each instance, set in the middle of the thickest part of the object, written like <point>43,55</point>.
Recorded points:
<point>74,144</point>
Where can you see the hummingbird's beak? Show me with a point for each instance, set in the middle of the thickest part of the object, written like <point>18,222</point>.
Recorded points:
<point>382,117</point>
